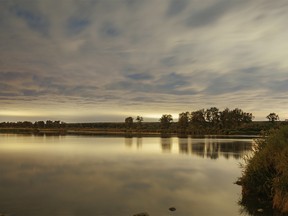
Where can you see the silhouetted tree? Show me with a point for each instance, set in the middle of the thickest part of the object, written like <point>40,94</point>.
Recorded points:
<point>198,117</point>
<point>52,124</point>
<point>166,121</point>
<point>225,118</point>
<point>63,124</point>
<point>129,122</point>
<point>272,117</point>
<point>198,122</point>
<point>49,124</point>
<point>183,121</point>
<point>39,124</point>
<point>212,116</point>
<point>247,117</point>
<point>56,124</point>
<point>139,120</point>
<point>236,117</point>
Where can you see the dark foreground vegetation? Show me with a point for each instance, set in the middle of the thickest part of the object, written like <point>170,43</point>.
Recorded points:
<point>210,121</point>
<point>265,173</point>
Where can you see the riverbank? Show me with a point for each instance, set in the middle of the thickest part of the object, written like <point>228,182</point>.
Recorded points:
<point>77,131</point>
<point>265,173</point>
<point>111,132</point>
<point>145,128</point>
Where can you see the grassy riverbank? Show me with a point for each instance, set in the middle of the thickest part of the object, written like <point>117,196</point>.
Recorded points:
<point>265,174</point>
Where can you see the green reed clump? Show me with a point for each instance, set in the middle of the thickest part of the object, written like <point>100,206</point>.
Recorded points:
<point>265,173</point>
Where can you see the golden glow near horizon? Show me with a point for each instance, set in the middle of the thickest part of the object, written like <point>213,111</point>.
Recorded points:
<point>19,113</point>
<point>158,116</point>
<point>100,115</point>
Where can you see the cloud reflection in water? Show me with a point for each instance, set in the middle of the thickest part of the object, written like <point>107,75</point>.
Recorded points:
<point>105,176</point>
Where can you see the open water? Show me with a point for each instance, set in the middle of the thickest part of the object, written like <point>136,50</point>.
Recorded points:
<point>118,176</point>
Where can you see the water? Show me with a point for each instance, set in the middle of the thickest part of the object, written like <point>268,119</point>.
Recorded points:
<point>88,175</point>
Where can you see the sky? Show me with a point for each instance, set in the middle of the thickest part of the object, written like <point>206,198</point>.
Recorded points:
<point>104,60</point>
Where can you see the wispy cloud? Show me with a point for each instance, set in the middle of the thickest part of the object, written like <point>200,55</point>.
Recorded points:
<point>176,7</point>
<point>209,14</point>
<point>188,54</point>
<point>34,20</point>
<point>76,25</point>
<point>140,76</point>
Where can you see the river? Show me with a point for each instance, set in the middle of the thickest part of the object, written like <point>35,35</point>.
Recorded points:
<point>118,176</point>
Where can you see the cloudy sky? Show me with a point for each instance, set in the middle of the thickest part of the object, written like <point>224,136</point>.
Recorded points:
<point>104,60</point>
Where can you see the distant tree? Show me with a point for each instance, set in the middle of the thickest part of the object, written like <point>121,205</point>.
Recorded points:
<point>212,116</point>
<point>129,122</point>
<point>198,118</point>
<point>236,116</point>
<point>166,121</point>
<point>27,124</point>
<point>225,118</point>
<point>39,124</point>
<point>52,124</point>
<point>139,120</point>
<point>49,124</point>
<point>183,121</point>
<point>247,117</point>
<point>56,124</point>
<point>272,117</point>
<point>198,122</point>
<point>63,124</point>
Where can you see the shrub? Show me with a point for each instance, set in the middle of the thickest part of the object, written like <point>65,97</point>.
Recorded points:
<point>265,173</point>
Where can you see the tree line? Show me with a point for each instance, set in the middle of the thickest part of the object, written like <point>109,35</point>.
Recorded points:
<point>202,121</point>
<point>205,121</point>
<point>37,124</point>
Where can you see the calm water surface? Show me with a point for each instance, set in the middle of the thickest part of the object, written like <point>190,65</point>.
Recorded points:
<point>88,175</point>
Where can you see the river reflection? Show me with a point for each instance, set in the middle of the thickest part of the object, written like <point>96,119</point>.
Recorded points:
<point>205,148</point>
<point>78,175</point>
<point>166,144</point>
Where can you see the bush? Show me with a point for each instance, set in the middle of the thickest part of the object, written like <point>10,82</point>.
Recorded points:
<point>265,173</point>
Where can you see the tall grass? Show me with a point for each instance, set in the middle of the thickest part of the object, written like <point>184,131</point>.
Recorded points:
<point>265,173</point>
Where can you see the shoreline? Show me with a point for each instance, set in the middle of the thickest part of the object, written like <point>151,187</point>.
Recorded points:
<point>110,132</point>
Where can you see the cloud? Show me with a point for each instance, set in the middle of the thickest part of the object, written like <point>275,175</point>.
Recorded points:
<point>209,14</point>
<point>33,19</point>
<point>176,7</point>
<point>76,25</point>
<point>171,83</point>
<point>110,30</point>
<point>108,54</point>
<point>140,76</point>
<point>30,84</point>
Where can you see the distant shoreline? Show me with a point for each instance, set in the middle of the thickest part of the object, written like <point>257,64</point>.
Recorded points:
<point>179,129</point>
<point>76,131</point>
<point>121,133</point>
